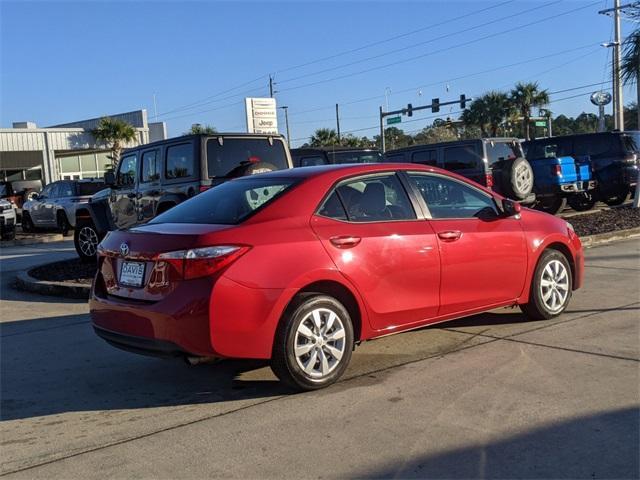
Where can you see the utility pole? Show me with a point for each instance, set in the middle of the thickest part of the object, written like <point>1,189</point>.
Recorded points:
<point>382,145</point>
<point>618,108</point>
<point>338,121</point>
<point>270,86</point>
<point>286,121</point>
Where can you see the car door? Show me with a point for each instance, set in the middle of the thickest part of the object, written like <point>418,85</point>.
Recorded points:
<point>149,189</point>
<point>48,208</point>
<point>36,210</point>
<point>64,192</point>
<point>370,229</point>
<point>483,253</point>
<point>123,201</point>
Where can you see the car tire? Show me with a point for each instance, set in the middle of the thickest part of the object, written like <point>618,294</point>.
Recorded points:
<point>255,168</point>
<point>551,205</point>
<point>517,178</point>
<point>313,343</point>
<point>64,227</point>
<point>617,199</point>
<point>551,287</point>
<point>9,235</point>
<point>85,240</point>
<point>582,202</point>
<point>27,223</point>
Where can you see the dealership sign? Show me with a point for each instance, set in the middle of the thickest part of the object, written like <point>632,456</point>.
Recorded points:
<point>261,115</point>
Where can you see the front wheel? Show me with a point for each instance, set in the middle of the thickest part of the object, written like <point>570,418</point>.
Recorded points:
<point>617,199</point>
<point>551,287</point>
<point>85,239</point>
<point>551,205</point>
<point>27,223</point>
<point>313,343</point>
<point>64,227</point>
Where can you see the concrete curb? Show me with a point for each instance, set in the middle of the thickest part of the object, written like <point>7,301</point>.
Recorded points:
<point>48,238</point>
<point>608,237</point>
<point>26,282</point>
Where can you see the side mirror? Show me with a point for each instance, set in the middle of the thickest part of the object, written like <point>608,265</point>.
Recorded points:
<point>33,196</point>
<point>109,179</point>
<point>510,208</point>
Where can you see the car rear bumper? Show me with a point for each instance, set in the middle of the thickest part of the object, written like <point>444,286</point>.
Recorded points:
<point>576,187</point>
<point>140,345</point>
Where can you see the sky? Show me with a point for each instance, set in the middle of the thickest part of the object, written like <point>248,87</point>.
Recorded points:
<point>68,61</point>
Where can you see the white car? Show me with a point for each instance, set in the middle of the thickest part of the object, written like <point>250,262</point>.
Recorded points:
<point>8,220</point>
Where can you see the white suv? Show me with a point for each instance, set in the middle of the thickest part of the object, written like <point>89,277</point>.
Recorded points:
<point>8,218</point>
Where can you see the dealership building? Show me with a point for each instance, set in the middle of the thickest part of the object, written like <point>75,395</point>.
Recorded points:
<point>66,151</point>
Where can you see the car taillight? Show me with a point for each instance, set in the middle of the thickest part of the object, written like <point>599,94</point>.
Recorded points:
<point>202,262</point>
<point>489,180</point>
<point>556,170</point>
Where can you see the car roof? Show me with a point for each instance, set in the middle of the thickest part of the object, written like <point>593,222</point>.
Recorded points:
<point>208,135</point>
<point>452,143</point>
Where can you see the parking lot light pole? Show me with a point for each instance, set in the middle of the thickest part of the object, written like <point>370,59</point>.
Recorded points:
<point>286,121</point>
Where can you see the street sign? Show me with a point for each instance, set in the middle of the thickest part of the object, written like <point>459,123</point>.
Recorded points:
<point>541,124</point>
<point>261,115</point>
<point>392,120</point>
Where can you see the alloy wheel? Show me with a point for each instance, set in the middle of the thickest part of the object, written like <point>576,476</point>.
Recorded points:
<point>554,285</point>
<point>319,342</point>
<point>88,241</point>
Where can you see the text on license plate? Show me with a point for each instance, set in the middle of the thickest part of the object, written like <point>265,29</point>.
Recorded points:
<point>132,273</point>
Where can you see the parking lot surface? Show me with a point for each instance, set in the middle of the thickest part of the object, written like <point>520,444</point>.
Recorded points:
<point>491,395</point>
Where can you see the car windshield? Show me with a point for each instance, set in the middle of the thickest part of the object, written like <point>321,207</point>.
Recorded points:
<point>356,157</point>
<point>89,188</point>
<point>237,153</point>
<point>229,203</point>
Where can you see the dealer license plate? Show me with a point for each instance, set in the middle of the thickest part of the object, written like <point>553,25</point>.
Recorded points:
<point>132,274</point>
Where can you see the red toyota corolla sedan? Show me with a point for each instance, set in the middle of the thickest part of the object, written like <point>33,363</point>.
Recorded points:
<point>298,266</point>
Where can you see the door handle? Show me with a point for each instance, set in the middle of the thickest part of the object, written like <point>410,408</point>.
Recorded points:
<point>345,241</point>
<point>450,235</point>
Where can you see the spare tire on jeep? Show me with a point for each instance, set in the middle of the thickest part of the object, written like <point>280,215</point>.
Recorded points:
<point>246,169</point>
<point>517,178</point>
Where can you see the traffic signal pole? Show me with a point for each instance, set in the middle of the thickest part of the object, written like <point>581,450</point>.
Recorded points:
<point>434,107</point>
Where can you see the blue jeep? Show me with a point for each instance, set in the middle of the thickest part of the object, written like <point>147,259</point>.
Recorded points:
<point>558,179</point>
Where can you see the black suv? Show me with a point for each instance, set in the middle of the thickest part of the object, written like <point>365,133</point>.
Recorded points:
<point>307,157</point>
<point>614,160</point>
<point>154,177</point>
<point>496,163</point>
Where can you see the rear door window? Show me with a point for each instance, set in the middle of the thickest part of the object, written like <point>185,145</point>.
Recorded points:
<point>150,166</point>
<point>179,161</point>
<point>237,153</point>
<point>425,157</point>
<point>463,157</point>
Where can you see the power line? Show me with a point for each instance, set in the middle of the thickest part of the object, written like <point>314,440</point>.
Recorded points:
<point>431,40</point>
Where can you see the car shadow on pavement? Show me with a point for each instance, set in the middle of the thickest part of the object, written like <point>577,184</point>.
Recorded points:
<point>57,365</point>
<point>604,445</point>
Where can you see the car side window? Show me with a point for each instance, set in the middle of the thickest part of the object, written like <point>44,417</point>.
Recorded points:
<point>312,161</point>
<point>425,157</point>
<point>65,189</point>
<point>369,199</point>
<point>447,198</point>
<point>150,166</point>
<point>179,161</point>
<point>127,170</point>
<point>461,158</point>
<point>49,191</point>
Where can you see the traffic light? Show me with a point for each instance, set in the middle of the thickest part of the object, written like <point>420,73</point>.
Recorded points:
<point>463,101</point>
<point>435,105</point>
<point>409,110</point>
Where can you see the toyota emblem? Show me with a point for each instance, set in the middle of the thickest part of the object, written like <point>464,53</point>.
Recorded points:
<point>124,249</point>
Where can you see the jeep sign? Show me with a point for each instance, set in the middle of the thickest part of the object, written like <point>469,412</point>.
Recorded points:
<point>261,115</point>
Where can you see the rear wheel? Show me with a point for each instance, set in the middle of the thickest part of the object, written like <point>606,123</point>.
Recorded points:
<point>551,287</point>
<point>86,240</point>
<point>27,223</point>
<point>550,205</point>
<point>64,226</point>
<point>313,344</point>
<point>618,199</point>
<point>517,178</point>
<point>581,202</point>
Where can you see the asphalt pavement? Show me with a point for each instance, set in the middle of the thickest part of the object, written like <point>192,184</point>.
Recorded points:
<point>488,396</point>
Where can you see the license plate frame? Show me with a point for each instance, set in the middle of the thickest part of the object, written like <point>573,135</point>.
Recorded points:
<point>132,274</point>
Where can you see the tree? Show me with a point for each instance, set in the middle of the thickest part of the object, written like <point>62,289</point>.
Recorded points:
<point>488,112</point>
<point>114,133</point>
<point>394,138</point>
<point>630,68</point>
<point>323,137</point>
<point>434,134</point>
<point>525,96</point>
<point>197,128</point>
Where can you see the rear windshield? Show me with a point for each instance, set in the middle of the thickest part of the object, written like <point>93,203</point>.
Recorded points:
<point>237,153</point>
<point>227,204</point>
<point>89,188</point>
<point>356,157</point>
<point>500,151</point>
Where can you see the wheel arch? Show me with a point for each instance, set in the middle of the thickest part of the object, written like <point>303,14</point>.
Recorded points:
<point>562,248</point>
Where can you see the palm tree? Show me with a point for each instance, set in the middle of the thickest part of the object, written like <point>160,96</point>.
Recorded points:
<point>525,96</point>
<point>197,128</point>
<point>476,116</point>
<point>324,137</point>
<point>488,112</point>
<point>630,68</point>
<point>115,133</point>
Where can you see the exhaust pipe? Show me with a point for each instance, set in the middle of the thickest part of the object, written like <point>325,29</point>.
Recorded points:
<point>201,360</point>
